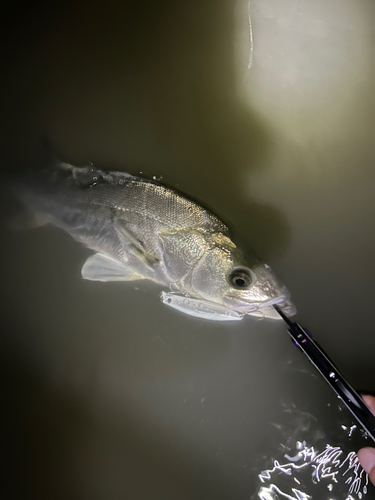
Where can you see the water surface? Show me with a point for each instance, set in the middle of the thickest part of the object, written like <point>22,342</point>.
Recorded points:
<point>108,394</point>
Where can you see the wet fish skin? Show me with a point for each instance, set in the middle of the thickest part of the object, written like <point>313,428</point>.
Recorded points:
<point>142,229</point>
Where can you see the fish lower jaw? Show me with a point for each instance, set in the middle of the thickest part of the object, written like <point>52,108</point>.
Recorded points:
<point>253,305</point>
<point>266,309</point>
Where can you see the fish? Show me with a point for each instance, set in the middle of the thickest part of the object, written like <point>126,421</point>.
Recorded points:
<point>141,229</point>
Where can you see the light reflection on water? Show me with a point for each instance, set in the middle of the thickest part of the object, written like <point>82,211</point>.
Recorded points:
<point>332,467</point>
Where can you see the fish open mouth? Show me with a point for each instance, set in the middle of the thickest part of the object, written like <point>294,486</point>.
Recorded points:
<point>266,309</point>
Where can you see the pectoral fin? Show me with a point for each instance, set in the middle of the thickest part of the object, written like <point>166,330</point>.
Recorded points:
<point>99,267</point>
<point>200,308</point>
<point>133,243</point>
<point>181,249</point>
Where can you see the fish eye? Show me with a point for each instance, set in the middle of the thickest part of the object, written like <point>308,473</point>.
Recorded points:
<point>240,278</point>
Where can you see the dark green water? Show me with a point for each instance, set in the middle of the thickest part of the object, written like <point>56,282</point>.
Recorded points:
<point>107,393</point>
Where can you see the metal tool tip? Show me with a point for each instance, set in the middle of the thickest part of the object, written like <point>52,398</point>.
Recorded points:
<point>284,316</point>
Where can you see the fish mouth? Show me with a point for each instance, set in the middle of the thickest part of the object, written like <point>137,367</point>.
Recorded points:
<point>266,309</point>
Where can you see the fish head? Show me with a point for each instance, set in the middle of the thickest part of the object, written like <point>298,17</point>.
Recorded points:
<point>239,282</point>
<point>254,289</point>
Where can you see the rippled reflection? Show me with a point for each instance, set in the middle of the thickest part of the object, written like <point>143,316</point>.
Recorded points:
<point>307,466</point>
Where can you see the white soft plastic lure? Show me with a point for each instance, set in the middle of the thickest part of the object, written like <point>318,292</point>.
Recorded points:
<point>200,308</point>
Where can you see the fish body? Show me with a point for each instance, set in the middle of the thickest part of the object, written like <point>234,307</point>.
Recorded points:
<point>141,229</point>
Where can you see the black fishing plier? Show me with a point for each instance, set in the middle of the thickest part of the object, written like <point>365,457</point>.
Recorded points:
<point>352,400</point>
